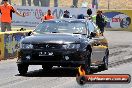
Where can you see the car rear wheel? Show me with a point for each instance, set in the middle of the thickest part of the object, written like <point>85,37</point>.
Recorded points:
<point>104,66</point>
<point>22,68</point>
<point>47,67</point>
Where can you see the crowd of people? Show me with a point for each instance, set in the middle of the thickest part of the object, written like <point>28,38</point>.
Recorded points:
<point>6,11</point>
<point>46,3</point>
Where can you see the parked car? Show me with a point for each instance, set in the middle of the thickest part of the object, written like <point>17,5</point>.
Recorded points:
<point>65,43</point>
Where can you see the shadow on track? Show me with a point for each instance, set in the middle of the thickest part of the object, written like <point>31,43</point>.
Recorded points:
<point>56,72</point>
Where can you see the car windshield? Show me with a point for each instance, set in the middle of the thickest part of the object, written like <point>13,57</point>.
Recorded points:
<point>75,27</point>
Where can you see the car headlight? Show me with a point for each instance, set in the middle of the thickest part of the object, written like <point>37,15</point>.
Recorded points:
<point>26,46</point>
<point>71,46</point>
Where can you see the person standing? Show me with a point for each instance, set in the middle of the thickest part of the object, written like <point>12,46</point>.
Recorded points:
<point>100,21</point>
<point>6,11</point>
<point>89,12</point>
<point>29,2</point>
<point>36,2</point>
<point>95,3</point>
<point>55,3</point>
<point>45,3</point>
<point>66,14</point>
<point>48,16</point>
<point>74,3</point>
<point>24,2</point>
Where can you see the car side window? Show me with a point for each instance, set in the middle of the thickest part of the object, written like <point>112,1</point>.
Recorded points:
<point>91,27</point>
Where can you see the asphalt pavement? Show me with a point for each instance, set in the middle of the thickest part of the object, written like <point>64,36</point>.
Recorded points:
<point>120,62</point>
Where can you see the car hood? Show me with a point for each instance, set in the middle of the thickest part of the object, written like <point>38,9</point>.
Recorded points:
<point>54,38</point>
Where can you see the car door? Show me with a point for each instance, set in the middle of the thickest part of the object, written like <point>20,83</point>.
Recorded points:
<point>98,45</point>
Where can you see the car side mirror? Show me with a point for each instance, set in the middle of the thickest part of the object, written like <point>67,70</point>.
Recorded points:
<point>93,34</point>
<point>30,33</point>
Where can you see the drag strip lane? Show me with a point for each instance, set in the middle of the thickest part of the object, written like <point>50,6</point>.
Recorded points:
<point>120,55</point>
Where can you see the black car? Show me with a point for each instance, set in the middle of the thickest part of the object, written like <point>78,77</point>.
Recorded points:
<point>65,43</point>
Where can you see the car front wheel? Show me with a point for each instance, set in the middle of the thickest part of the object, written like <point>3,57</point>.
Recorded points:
<point>22,68</point>
<point>87,64</point>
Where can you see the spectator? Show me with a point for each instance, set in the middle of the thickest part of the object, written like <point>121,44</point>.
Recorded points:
<point>24,2</point>
<point>48,16</point>
<point>74,3</point>
<point>80,16</point>
<point>45,3</point>
<point>55,3</point>
<point>95,3</point>
<point>29,2</point>
<point>36,2</point>
<point>100,21</point>
<point>6,15</point>
<point>89,12</point>
<point>66,14</point>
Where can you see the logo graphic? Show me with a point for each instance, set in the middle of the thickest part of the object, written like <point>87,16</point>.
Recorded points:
<point>117,20</point>
<point>38,13</point>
